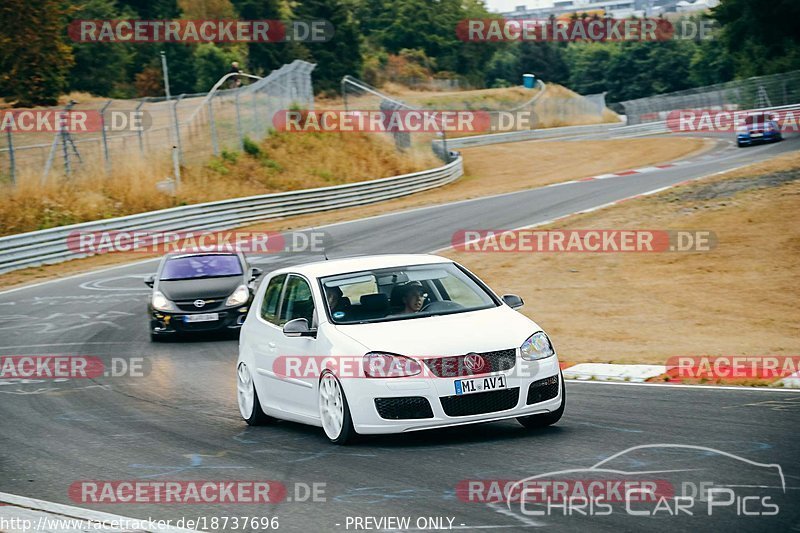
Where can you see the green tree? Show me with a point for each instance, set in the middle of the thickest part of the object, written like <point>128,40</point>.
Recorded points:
<point>211,63</point>
<point>545,60</point>
<point>761,36</point>
<point>35,56</point>
<point>339,56</point>
<point>711,63</point>
<point>102,68</point>
<point>588,64</point>
<point>262,58</point>
<point>504,65</point>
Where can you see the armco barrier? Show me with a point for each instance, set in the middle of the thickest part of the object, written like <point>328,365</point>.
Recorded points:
<point>50,245</point>
<point>528,135</point>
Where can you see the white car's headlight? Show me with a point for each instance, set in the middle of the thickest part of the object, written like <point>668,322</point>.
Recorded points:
<point>239,296</point>
<point>161,303</point>
<point>537,346</point>
<point>389,365</point>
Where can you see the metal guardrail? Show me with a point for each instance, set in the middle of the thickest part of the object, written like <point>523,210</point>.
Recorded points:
<point>529,135</point>
<point>50,245</point>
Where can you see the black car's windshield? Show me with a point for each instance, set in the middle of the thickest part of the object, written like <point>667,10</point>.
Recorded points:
<point>201,266</point>
<point>402,293</point>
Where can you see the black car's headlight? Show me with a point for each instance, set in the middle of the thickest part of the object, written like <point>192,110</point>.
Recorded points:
<point>161,303</point>
<point>537,346</point>
<point>239,296</point>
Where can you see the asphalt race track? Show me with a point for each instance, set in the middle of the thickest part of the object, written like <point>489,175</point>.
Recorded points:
<point>180,421</point>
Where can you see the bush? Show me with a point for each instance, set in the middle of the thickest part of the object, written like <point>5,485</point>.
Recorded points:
<point>251,148</point>
<point>230,156</point>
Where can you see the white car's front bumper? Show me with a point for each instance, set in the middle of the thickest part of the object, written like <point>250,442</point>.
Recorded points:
<point>362,392</point>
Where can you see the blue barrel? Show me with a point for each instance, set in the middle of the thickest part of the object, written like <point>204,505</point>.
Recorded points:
<point>528,80</point>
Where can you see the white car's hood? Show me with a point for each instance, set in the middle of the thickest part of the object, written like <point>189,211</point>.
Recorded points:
<point>487,330</point>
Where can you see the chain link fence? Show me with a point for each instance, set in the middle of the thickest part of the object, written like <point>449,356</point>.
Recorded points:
<point>752,93</point>
<point>549,106</point>
<point>184,130</point>
<point>358,95</point>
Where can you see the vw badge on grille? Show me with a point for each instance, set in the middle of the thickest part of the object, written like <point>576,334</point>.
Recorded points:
<point>474,362</point>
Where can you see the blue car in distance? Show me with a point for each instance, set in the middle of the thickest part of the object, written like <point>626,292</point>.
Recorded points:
<point>757,128</point>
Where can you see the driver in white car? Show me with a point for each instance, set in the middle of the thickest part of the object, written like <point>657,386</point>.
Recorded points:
<point>413,297</point>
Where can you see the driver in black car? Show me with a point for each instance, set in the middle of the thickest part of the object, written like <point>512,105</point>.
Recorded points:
<point>413,297</point>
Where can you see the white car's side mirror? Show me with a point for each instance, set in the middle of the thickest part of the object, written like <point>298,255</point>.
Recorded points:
<point>298,328</point>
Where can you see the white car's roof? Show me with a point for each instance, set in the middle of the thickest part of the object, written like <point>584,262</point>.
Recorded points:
<point>332,267</point>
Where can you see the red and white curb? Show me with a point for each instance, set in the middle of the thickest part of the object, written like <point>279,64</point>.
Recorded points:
<point>640,374</point>
<point>642,170</point>
<point>20,514</point>
<point>611,372</point>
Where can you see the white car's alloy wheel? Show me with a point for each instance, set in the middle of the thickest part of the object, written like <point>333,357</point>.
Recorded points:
<point>331,406</point>
<point>245,391</point>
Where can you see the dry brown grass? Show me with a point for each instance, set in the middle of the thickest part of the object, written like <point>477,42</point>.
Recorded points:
<point>489,99</point>
<point>560,106</point>
<point>287,162</point>
<point>738,299</point>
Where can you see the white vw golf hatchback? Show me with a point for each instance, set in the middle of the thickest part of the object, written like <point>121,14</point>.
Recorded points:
<point>390,344</point>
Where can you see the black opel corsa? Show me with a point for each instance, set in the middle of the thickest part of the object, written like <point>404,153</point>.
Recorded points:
<point>195,292</point>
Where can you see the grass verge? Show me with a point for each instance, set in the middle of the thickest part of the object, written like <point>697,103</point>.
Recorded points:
<point>282,162</point>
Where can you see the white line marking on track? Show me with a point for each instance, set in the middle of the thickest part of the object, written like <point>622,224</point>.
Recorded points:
<point>98,271</point>
<point>503,510</point>
<point>60,511</point>
<point>60,344</point>
<point>682,386</point>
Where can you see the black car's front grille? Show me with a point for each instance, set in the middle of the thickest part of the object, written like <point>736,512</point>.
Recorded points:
<point>465,365</point>
<point>480,403</point>
<point>407,407</point>
<point>543,390</point>
<point>208,305</point>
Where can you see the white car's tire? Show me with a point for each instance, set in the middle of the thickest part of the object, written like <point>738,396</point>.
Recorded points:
<point>247,397</point>
<point>334,411</point>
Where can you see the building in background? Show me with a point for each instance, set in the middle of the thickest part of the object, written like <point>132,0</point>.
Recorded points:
<point>535,9</point>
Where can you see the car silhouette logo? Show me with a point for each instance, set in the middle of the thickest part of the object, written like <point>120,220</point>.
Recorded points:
<point>474,362</point>
<point>199,303</point>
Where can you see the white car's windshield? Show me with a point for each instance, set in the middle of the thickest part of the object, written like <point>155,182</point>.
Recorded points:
<point>401,293</point>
